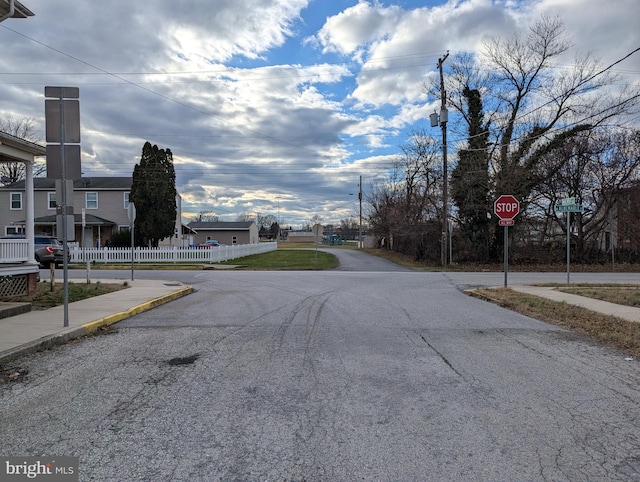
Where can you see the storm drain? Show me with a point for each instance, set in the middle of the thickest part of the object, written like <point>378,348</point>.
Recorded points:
<point>187,360</point>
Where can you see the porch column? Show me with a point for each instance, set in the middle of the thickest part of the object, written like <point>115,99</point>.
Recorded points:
<point>29,210</point>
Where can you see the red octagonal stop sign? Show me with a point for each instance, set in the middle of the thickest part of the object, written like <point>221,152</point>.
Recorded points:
<point>506,207</point>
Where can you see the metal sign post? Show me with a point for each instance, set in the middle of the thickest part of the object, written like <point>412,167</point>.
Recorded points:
<point>506,207</point>
<point>506,253</point>
<point>131,213</point>
<point>568,205</point>
<point>62,124</point>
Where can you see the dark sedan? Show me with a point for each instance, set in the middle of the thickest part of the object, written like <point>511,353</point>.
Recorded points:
<point>47,249</point>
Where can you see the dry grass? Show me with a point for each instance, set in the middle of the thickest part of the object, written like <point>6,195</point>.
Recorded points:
<point>45,297</point>
<point>628,295</point>
<point>609,330</point>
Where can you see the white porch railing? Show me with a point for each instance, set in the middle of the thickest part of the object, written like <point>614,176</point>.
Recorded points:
<point>14,251</point>
<point>168,254</point>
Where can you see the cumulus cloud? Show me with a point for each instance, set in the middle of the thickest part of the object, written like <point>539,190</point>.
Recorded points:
<point>266,98</point>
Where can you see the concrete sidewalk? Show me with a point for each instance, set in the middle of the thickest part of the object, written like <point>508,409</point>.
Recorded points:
<point>38,329</point>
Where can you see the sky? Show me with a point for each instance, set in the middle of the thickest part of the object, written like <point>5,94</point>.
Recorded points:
<point>270,107</point>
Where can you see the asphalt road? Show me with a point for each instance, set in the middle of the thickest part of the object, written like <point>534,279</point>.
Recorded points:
<point>370,372</point>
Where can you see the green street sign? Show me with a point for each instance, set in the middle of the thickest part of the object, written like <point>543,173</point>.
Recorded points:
<point>569,208</point>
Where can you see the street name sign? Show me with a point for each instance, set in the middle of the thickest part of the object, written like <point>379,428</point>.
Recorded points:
<point>569,208</point>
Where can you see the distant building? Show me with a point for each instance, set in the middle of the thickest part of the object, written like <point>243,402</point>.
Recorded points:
<point>245,232</point>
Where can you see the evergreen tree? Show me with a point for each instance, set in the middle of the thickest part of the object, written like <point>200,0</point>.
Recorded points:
<point>154,194</point>
<point>470,180</point>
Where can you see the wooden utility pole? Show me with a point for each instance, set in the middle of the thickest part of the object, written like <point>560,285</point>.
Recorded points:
<point>445,175</point>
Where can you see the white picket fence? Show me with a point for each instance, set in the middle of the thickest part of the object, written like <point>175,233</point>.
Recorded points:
<point>168,254</point>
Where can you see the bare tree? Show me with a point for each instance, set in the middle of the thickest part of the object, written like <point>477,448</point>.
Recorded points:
<point>24,129</point>
<point>596,168</point>
<point>534,107</point>
<point>406,210</point>
<point>265,222</point>
<point>206,217</point>
<point>245,217</point>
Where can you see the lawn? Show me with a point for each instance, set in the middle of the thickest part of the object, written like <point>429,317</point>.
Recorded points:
<point>287,259</point>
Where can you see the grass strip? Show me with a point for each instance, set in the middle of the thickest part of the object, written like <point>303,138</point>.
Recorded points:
<point>620,295</point>
<point>47,296</point>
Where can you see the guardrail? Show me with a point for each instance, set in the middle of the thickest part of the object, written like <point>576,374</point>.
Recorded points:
<point>14,251</point>
<point>168,254</point>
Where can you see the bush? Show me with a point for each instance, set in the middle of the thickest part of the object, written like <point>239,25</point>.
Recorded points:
<point>121,239</point>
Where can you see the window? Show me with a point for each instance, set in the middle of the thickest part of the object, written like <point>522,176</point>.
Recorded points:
<point>126,200</point>
<point>16,201</point>
<point>13,230</point>
<point>51,196</point>
<point>91,200</point>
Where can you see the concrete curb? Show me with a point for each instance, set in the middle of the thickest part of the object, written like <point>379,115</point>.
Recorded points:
<point>62,337</point>
<point>114,318</point>
<point>474,294</point>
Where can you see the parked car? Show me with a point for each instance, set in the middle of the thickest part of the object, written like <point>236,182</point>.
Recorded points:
<point>210,243</point>
<point>47,249</point>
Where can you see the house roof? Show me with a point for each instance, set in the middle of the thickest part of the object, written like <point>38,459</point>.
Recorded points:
<point>19,10</point>
<point>220,226</point>
<point>12,146</point>
<point>30,147</point>
<point>83,184</point>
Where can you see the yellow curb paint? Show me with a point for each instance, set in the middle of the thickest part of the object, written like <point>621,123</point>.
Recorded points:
<point>146,306</point>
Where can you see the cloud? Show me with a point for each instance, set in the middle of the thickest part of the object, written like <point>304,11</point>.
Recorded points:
<point>265,98</point>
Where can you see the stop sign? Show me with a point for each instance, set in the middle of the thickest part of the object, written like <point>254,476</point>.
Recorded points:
<point>506,207</point>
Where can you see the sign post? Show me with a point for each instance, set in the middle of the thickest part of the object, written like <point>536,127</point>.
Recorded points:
<point>62,125</point>
<point>506,207</point>
<point>131,213</point>
<point>568,205</point>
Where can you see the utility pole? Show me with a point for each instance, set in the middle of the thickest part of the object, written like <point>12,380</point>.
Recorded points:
<point>444,117</point>
<point>360,244</point>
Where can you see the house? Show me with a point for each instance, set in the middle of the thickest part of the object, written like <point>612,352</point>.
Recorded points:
<point>100,208</point>
<point>230,233</point>
<point>18,268</point>
<point>627,219</point>
<point>100,205</point>
<point>301,237</point>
